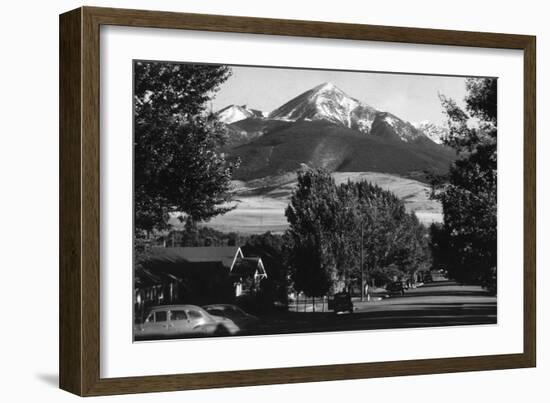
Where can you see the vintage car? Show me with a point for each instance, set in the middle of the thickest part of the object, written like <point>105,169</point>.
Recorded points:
<point>244,322</point>
<point>340,302</point>
<point>396,287</point>
<point>182,321</point>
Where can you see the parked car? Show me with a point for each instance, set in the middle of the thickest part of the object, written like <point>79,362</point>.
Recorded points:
<point>244,322</point>
<point>340,302</point>
<point>396,287</point>
<point>182,320</point>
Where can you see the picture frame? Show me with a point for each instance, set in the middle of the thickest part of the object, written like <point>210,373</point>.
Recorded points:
<point>80,153</point>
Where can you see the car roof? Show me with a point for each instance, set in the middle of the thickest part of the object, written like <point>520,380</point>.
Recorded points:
<point>169,307</point>
<point>220,305</point>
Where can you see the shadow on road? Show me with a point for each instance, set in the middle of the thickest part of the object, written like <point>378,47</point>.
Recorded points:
<point>420,307</point>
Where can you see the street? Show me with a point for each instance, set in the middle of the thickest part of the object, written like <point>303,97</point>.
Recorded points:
<point>441,303</point>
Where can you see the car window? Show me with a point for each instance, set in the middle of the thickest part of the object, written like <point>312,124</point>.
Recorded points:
<point>161,316</point>
<point>178,315</point>
<point>194,314</point>
<point>150,318</point>
<point>216,312</point>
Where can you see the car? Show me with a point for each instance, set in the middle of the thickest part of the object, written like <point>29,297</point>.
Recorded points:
<point>396,287</point>
<point>341,302</point>
<point>182,320</point>
<point>428,278</point>
<point>244,322</point>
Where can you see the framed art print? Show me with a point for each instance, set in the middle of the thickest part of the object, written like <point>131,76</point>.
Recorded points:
<point>250,201</point>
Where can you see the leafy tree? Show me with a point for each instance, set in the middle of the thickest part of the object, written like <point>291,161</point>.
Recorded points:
<point>391,236</point>
<point>326,224</point>
<point>269,247</point>
<point>466,242</point>
<point>307,241</point>
<point>177,168</point>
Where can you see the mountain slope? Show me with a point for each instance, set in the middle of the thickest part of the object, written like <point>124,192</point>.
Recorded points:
<point>234,113</point>
<point>261,203</point>
<point>327,102</point>
<point>324,127</point>
<point>388,125</point>
<point>320,143</point>
<point>434,132</point>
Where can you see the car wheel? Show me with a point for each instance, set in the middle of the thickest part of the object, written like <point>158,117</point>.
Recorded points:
<point>221,331</point>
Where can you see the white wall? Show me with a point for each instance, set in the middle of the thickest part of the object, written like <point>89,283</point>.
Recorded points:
<point>29,202</point>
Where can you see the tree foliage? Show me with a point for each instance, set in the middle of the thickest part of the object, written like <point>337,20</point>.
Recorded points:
<point>177,168</point>
<point>391,236</point>
<point>308,238</point>
<point>329,222</point>
<point>269,247</point>
<point>466,242</point>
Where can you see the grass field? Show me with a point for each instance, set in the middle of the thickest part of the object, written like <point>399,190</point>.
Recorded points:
<point>261,202</point>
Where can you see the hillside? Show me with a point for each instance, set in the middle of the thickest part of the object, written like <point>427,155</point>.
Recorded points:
<point>325,128</point>
<point>282,147</point>
<point>261,203</point>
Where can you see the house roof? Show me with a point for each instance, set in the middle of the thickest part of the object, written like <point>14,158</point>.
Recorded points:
<point>144,278</point>
<point>196,262</point>
<point>248,266</point>
<point>221,254</point>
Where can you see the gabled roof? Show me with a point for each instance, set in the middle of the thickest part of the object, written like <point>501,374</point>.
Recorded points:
<point>145,278</point>
<point>221,254</point>
<point>249,266</point>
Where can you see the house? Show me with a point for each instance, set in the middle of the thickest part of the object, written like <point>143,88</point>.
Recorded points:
<point>196,275</point>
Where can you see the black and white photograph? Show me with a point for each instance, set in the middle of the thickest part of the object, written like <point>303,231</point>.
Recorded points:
<point>272,200</point>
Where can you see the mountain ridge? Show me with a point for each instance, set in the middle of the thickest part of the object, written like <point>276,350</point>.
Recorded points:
<point>324,127</point>
<point>328,102</point>
<point>235,113</point>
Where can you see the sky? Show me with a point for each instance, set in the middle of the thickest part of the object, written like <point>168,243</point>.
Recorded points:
<point>411,97</point>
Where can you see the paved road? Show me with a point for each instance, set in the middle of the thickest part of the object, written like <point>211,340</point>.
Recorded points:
<point>442,303</point>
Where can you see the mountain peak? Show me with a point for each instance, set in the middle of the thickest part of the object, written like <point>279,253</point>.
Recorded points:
<point>235,113</point>
<point>329,103</point>
<point>327,86</point>
<point>323,102</point>
<point>434,132</point>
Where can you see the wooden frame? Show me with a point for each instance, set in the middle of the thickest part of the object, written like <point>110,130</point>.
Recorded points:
<point>79,201</point>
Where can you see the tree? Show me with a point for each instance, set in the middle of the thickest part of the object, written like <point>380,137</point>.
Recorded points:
<point>329,222</point>
<point>307,239</point>
<point>466,242</point>
<point>269,247</point>
<point>392,238</point>
<point>177,165</point>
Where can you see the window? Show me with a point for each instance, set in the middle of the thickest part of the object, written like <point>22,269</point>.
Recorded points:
<point>178,315</point>
<point>194,314</point>
<point>216,312</point>
<point>161,316</point>
<point>150,317</point>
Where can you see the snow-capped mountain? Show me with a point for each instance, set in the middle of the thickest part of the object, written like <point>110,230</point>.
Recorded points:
<point>434,132</point>
<point>327,102</point>
<point>235,113</point>
<point>389,125</point>
<point>325,127</point>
